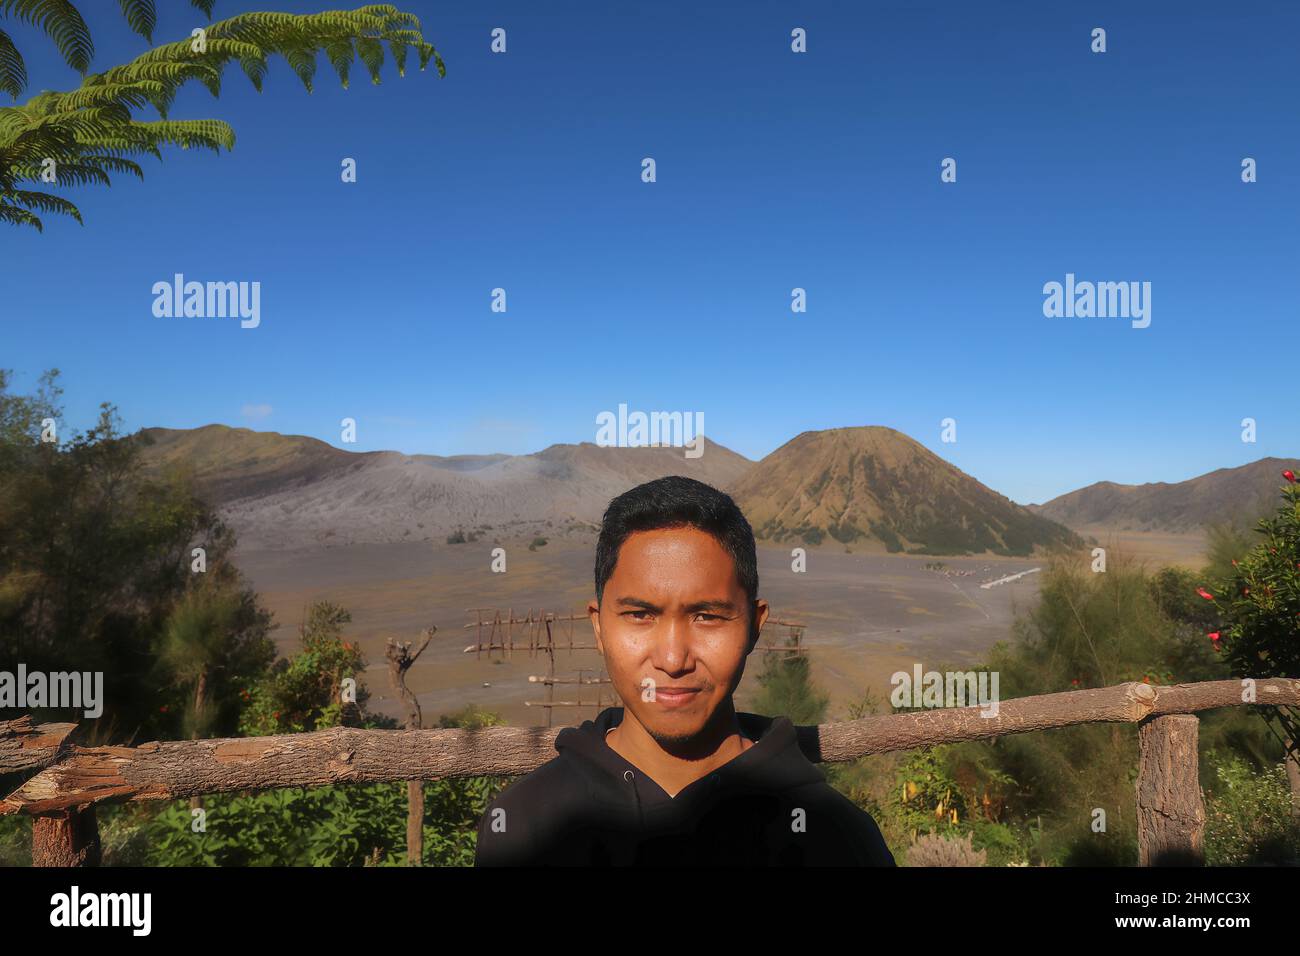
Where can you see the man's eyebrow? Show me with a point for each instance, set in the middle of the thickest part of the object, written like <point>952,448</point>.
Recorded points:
<point>697,606</point>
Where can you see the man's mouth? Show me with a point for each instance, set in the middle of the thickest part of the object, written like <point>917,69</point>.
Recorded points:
<point>675,696</point>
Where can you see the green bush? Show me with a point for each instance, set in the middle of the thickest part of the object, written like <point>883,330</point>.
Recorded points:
<point>16,840</point>
<point>1249,816</point>
<point>345,825</point>
<point>811,535</point>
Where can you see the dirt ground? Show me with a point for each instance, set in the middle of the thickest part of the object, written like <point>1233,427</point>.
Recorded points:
<point>867,615</point>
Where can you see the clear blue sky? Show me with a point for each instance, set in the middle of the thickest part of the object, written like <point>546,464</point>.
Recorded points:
<point>775,170</point>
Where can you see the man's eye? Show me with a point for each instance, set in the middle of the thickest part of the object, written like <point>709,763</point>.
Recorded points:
<point>712,617</point>
<point>634,613</point>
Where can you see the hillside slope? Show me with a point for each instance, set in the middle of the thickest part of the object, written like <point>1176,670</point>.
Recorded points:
<point>290,491</point>
<point>872,483</point>
<point>1239,495</point>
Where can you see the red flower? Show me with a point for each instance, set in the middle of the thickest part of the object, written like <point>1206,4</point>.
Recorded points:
<point>1075,682</point>
<point>1289,475</point>
<point>1214,636</point>
<point>1205,594</point>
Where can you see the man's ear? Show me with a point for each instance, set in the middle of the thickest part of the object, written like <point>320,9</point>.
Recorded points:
<point>593,613</point>
<point>757,618</point>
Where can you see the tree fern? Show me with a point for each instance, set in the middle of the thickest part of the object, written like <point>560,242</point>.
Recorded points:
<point>141,16</point>
<point>13,71</point>
<point>62,22</point>
<point>80,136</point>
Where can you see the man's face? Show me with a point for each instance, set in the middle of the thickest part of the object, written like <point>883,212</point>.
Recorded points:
<point>673,612</point>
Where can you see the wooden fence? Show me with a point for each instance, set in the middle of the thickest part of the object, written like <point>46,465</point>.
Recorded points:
<point>72,779</point>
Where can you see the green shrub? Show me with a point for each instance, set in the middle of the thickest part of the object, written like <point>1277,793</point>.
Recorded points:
<point>344,825</point>
<point>16,840</point>
<point>1249,816</point>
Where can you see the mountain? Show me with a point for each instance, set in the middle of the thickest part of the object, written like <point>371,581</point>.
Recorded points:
<point>231,463</point>
<point>1238,495</point>
<point>281,491</point>
<point>873,483</point>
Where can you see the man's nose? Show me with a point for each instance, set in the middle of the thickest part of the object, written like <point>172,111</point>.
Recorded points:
<point>672,652</point>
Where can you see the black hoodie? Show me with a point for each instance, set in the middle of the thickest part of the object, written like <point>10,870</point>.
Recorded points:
<point>769,806</point>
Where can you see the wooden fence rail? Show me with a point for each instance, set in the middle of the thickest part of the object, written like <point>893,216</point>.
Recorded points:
<point>72,779</point>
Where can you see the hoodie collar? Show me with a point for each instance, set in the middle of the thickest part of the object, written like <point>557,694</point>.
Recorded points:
<point>775,762</point>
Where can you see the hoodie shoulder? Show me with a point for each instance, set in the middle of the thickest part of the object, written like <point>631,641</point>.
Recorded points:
<point>855,839</point>
<point>523,816</point>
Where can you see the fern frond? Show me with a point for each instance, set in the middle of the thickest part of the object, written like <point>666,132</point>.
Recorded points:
<point>13,71</point>
<point>43,202</point>
<point>92,131</point>
<point>101,164</point>
<point>399,50</point>
<point>140,16</point>
<point>208,134</point>
<point>371,52</point>
<point>19,217</point>
<point>255,69</point>
<point>67,174</point>
<point>302,60</point>
<point>61,22</point>
<point>340,54</point>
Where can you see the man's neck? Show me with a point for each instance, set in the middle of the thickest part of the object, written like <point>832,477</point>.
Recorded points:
<point>674,770</point>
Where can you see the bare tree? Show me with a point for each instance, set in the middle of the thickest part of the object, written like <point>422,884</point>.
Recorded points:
<point>400,660</point>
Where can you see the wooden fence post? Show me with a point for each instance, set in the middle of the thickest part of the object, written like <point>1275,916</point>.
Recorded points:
<point>66,838</point>
<point>1170,809</point>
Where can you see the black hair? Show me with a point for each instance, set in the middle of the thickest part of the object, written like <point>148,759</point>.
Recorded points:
<point>675,502</point>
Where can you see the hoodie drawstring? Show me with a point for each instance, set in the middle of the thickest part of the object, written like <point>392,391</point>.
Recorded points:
<point>629,776</point>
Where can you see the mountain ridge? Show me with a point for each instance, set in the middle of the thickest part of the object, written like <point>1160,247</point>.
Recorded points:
<point>282,491</point>
<point>1237,495</point>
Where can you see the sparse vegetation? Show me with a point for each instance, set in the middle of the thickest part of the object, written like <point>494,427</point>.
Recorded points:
<point>1028,799</point>
<point>812,536</point>
<point>935,850</point>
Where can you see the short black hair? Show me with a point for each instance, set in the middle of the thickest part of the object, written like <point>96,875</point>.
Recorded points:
<point>676,501</point>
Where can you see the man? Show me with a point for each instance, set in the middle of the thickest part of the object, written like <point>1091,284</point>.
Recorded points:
<point>677,777</point>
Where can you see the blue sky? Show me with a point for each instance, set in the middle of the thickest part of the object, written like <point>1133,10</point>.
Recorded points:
<point>775,170</point>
